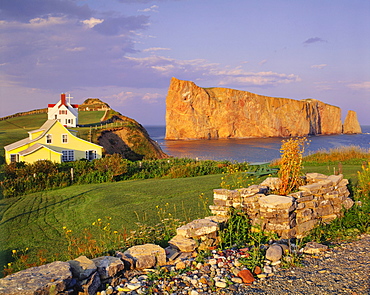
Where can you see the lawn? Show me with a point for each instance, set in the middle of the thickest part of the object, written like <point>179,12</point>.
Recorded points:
<point>36,220</point>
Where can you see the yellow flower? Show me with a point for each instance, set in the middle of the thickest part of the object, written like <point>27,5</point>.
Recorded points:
<point>115,232</point>
<point>99,219</point>
<point>64,227</point>
<point>93,223</point>
<point>14,251</point>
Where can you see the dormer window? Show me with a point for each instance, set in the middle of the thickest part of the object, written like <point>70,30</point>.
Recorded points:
<point>49,138</point>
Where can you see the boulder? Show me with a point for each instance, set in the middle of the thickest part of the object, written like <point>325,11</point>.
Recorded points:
<point>198,228</point>
<point>147,256</point>
<point>51,278</point>
<point>82,267</point>
<point>274,252</point>
<point>108,266</point>
<point>183,244</point>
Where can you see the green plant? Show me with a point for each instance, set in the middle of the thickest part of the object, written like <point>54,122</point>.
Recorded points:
<point>235,178</point>
<point>236,231</point>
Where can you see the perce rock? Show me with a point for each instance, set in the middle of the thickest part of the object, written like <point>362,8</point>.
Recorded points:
<point>193,112</point>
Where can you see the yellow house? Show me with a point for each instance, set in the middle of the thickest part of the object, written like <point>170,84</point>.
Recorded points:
<point>52,142</point>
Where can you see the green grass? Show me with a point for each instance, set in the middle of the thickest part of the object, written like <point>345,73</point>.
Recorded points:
<point>36,220</point>
<point>92,117</point>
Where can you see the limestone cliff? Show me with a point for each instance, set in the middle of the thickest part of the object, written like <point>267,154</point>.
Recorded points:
<point>351,125</point>
<point>193,112</point>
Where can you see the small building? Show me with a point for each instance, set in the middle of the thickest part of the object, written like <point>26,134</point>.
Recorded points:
<point>63,111</point>
<point>53,142</point>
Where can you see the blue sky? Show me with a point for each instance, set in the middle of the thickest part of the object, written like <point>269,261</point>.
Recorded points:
<point>126,51</point>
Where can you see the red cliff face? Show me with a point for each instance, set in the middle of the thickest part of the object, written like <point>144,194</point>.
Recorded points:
<point>193,112</point>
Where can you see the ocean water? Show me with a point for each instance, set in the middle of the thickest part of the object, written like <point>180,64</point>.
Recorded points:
<point>249,150</point>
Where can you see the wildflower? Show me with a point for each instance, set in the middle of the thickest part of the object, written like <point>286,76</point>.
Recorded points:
<point>99,219</point>
<point>115,232</point>
<point>64,227</point>
<point>14,251</point>
<point>93,223</point>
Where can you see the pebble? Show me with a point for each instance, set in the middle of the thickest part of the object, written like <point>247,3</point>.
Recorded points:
<point>221,270</point>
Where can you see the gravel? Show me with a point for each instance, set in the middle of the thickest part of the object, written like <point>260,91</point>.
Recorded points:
<point>344,269</point>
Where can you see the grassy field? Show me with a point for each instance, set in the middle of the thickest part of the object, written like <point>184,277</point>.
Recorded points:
<point>36,220</point>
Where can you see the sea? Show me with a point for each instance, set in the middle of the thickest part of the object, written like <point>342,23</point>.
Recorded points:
<point>252,150</point>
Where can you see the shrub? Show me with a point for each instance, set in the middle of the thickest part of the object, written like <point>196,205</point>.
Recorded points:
<point>291,164</point>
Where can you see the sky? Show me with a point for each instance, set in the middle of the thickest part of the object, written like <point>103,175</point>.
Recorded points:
<point>125,52</point>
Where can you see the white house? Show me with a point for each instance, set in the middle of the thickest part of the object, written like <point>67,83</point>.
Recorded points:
<point>63,111</point>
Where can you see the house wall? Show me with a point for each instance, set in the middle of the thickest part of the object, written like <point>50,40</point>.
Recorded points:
<point>41,154</point>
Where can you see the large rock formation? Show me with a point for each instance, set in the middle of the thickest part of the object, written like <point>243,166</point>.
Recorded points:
<point>193,112</point>
<point>351,125</point>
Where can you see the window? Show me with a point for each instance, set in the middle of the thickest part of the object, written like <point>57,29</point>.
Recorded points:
<point>68,156</point>
<point>48,138</point>
<point>14,158</point>
<point>62,112</point>
<point>64,138</point>
<point>91,155</point>
<point>56,116</point>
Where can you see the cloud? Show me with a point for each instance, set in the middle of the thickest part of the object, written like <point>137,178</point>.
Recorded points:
<point>24,10</point>
<point>314,40</point>
<point>153,8</point>
<point>155,49</point>
<point>257,79</point>
<point>318,66</point>
<point>126,96</point>
<point>122,25</point>
<point>92,22</point>
<point>262,62</point>
<point>360,86</point>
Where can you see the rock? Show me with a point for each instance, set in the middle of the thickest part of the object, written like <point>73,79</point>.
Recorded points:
<point>193,112</point>
<point>180,265</point>
<point>197,228</point>
<point>237,280</point>
<point>82,267</point>
<point>183,244</point>
<point>271,182</point>
<point>220,284</point>
<point>127,261</point>
<point>257,270</point>
<point>314,248</point>
<point>92,284</point>
<point>274,252</point>
<point>275,202</point>
<point>108,266</point>
<point>147,256</point>
<point>351,124</point>
<point>246,276</point>
<point>348,203</point>
<point>46,279</point>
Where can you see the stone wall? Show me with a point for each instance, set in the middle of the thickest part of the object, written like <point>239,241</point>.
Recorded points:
<point>320,200</point>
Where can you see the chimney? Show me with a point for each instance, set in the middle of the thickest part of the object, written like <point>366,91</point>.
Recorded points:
<point>63,98</point>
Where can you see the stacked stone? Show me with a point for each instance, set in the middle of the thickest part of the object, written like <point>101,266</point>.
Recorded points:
<point>320,200</point>
<point>277,215</point>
